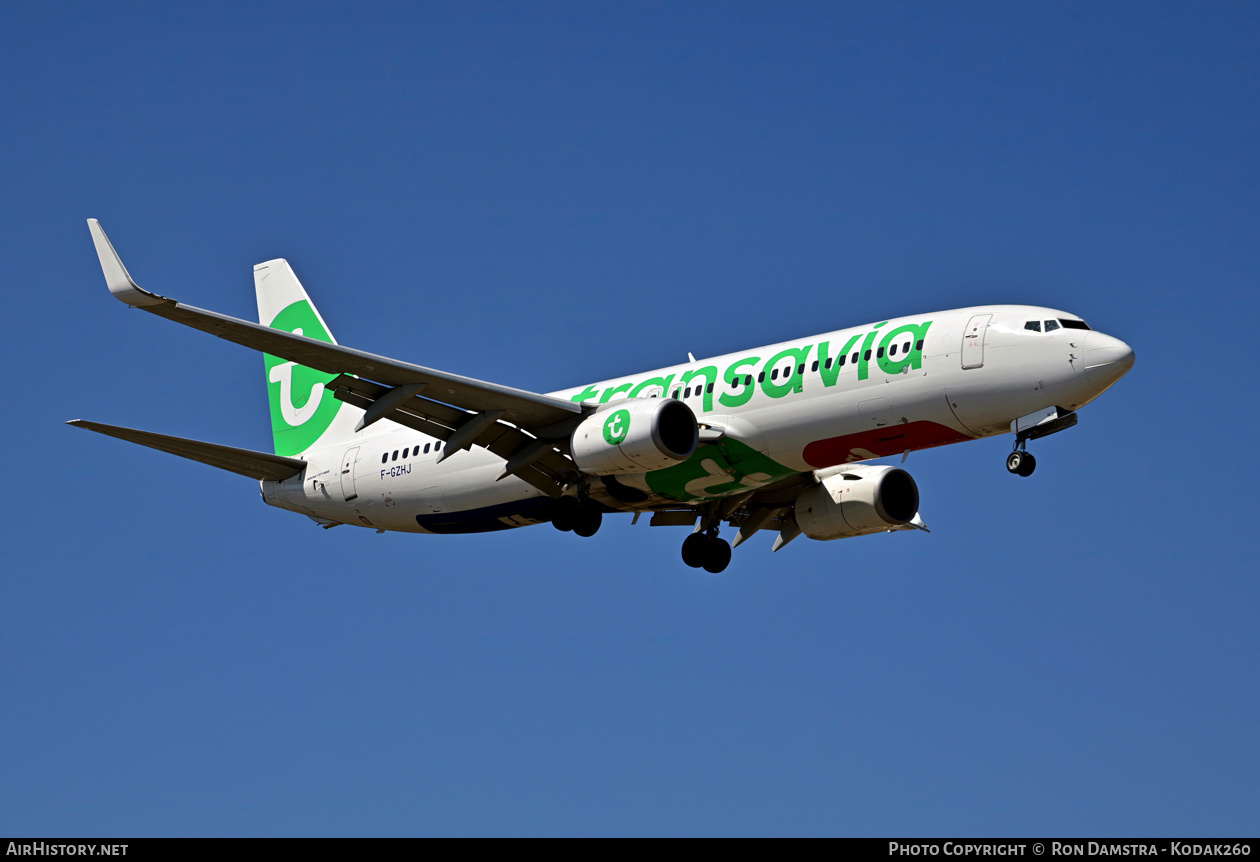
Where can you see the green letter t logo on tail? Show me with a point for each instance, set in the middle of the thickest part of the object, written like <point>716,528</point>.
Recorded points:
<point>301,409</point>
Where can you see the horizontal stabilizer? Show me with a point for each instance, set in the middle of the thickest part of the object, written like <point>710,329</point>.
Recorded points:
<point>246,462</point>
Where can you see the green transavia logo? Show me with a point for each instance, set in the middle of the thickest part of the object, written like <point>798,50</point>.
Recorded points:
<point>891,351</point>
<point>301,409</point>
<point>616,427</point>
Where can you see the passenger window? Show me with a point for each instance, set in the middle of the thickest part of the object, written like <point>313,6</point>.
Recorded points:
<point>385,458</point>
<point>855,356</point>
<point>687,392</point>
<point>394,457</point>
<point>905,348</point>
<point>426,448</point>
<point>761,378</point>
<point>919,345</point>
<point>892,351</point>
<point>735,383</point>
<point>774,375</point>
<point>842,358</point>
<point>814,367</point>
<point>405,451</point>
<point>1033,325</point>
<point>867,357</point>
<point>879,354</point>
<point>748,380</point>
<point>709,388</point>
<point>1052,325</point>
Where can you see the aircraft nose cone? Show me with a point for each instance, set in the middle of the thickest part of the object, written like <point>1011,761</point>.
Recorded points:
<point>1107,359</point>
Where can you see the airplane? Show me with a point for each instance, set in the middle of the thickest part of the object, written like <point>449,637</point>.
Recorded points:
<point>772,438</point>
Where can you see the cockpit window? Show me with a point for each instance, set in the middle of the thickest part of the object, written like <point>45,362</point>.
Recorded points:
<point>1034,325</point>
<point>1052,325</point>
<point>1073,324</point>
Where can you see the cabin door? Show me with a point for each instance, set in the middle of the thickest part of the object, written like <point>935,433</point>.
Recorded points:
<point>347,474</point>
<point>973,341</point>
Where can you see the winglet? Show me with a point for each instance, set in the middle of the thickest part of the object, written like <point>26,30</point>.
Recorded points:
<point>119,280</point>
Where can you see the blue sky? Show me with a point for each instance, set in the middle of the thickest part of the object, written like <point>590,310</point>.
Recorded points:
<point>548,194</point>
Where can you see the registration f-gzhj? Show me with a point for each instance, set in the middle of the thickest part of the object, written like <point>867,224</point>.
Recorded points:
<point>771,438</point>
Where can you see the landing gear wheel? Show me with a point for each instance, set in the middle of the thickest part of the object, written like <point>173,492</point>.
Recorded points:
<point>702,551</point>
<point>1015,461</point>
<point>717,555</point>
<point>566,514</point>
<point>1030,464</point>
<point>587,523</point>
<point>694,550</point>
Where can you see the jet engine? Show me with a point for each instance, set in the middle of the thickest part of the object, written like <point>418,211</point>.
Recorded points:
<point>854,500</point>
<point>635,435</point>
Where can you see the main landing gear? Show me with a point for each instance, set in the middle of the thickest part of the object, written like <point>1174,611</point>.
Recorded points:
<point>572,514</point>
<point>706,551</point>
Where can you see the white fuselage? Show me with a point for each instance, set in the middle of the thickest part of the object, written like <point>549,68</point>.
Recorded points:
<point>783,408</point>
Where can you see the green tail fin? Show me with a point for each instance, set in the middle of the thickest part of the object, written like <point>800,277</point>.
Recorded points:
<point>303,412</point>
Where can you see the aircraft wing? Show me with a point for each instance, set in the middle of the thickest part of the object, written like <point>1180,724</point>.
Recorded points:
<point>519,407</point>
<point>246,462</point>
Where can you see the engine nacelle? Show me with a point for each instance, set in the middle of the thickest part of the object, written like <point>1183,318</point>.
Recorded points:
<point>635,435</point>
<point>857,500</point>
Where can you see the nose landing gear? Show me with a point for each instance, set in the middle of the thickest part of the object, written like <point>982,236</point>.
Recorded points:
<point>1021,463</point>
<point>706,551</point>
<point>1051,420</point>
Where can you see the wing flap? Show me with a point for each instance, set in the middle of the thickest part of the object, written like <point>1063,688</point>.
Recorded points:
<point>246,462</point>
